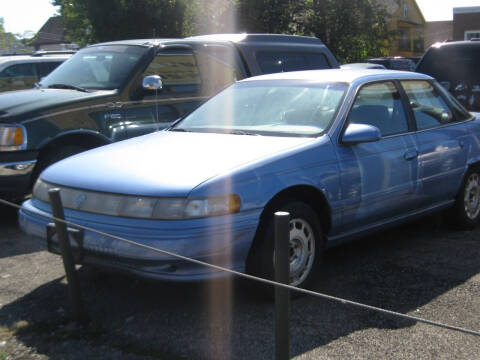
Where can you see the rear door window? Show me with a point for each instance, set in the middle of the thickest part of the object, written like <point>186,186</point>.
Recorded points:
<point>274,62</point>
<point>429,108</point>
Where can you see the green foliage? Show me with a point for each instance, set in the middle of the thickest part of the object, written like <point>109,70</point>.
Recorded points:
<point>267,16</point>
<point>209,17</point>
<point>90,21</point>
<point>352,29</point>
<point>6,39</point>
<point>9,43</point>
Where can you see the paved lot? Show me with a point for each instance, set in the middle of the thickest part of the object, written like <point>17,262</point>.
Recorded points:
<point>422,269</point>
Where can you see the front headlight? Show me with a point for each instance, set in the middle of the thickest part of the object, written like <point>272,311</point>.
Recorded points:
<point>12,137</point>
<point>140,207</point>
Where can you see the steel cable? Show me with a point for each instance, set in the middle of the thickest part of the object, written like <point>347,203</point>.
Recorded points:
<point>254,278</point>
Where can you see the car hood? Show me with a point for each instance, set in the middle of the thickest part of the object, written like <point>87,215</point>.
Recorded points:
<point>17,103</point>
<point>165,163</point>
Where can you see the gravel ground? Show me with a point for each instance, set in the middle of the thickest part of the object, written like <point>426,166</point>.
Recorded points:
<point>423,269</point>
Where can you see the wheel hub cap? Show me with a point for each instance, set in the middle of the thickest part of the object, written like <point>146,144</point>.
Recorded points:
<point>471,198</point>
<point>301,250</point>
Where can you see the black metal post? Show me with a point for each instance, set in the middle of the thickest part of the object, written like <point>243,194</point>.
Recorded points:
<point>67,256</point>
<point>282,275</point>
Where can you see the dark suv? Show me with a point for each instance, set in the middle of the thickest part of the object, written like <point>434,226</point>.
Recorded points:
<point>394,63</point>
<point>456,65</point>
<point>109,92</point>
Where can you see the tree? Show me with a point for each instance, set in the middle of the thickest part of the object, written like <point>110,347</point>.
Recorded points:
<point>227,16</point>
<point>209,17</point>
<point>267,16</point>
<point>6,39</point>
<point>11,43</point>
<point>352,29</point>
<point>89,21</point>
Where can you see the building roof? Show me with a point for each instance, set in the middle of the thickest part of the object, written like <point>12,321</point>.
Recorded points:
<point>52,32</point>
<point>466,10</point>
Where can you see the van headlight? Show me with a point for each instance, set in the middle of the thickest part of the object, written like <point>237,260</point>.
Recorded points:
<point>140,207</point>
<point>12,137</point>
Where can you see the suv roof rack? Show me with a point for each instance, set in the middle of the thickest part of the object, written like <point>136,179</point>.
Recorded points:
<point>54,52</point>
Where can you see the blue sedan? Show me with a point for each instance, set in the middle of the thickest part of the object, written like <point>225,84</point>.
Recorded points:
<point>346,152</point>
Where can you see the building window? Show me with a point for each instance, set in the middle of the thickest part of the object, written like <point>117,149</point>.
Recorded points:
<point>472,34</point>
<point>405,10</point>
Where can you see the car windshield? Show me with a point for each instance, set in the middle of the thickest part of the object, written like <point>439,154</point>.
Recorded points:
<point>96,68</point>
<point>276,108</point>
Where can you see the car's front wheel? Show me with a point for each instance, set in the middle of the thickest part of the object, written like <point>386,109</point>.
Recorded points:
<point>466,210</point>
<point>306,245</point>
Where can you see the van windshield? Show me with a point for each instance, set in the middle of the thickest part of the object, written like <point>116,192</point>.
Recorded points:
<point>96,68</point>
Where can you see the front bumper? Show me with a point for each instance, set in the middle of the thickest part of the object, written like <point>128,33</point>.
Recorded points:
<point>16,170</point>
<point>224,241</point>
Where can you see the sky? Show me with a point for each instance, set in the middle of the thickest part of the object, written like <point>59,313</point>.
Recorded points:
<point>29,15</point>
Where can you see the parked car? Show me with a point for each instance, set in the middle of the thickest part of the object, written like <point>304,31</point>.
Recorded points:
<point>394,63</point>
<point>108,92</point>
<point>456,66</point>
<point>345,152</point>
<point>362,66</point>
<point>23,71</point>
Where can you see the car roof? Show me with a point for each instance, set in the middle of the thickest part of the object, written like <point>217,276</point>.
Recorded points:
<point>138,42</point>
<point>466,43</point>
<point>219,38</point>
<point>349,76</point>
<point>244,37</point>
<point>362,66</point>
<point>30,58</point>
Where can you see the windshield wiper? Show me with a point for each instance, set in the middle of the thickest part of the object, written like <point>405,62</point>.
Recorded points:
<point>67,86</point>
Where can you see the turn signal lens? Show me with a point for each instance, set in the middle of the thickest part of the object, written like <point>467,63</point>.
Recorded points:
<point>12,138</point>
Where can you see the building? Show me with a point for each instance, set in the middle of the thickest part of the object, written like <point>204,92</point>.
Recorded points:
<point>51,36</point>
<point>438,31</point>
<point>466,23</point>
<point>408,23</point>
<point>464,26</point>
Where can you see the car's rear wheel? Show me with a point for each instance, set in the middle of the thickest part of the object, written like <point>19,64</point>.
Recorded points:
<point>466,211</point>
<point>306,245</point>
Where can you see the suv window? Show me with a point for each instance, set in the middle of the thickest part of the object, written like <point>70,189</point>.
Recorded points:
<point>178,69</point>
<point>429,108</point>
<point>452,65</point>
<point>273,62</point>
<point>380,105</point>
<point>45,68</point>
<point>19,70</point>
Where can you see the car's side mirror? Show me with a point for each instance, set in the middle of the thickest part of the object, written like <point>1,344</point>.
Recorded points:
<point>360,133</point>
<point>152,82</point>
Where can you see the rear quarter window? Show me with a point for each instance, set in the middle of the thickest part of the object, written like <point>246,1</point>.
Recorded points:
<point>274,62</point>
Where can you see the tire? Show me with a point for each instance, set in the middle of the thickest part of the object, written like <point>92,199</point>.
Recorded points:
<point>466,211</point>
<point>54,155</point>
<point>306,246</point>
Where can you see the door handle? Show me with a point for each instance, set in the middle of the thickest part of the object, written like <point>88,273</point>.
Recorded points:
<point>461,143</point>
<point>410,154</point>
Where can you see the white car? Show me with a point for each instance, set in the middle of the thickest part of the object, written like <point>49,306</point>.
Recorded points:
<point>23,71</point>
